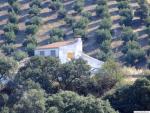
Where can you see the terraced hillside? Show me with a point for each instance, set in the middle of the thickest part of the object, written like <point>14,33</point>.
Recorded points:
<point>80,18</point>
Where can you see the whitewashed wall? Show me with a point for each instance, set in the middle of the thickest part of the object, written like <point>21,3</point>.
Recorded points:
<point>76,48</point>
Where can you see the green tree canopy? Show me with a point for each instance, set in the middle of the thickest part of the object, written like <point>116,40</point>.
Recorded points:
<point>132,98</point>
<point>70,102</point>
<point>7,67</point>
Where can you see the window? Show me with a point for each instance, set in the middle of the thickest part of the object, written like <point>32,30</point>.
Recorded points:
<point>53,53</point>
<point>41,53</point>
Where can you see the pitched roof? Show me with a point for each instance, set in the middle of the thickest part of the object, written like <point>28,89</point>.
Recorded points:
<point>57,44</point>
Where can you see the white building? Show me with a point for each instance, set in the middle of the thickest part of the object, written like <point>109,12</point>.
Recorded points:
<point>67,50</point>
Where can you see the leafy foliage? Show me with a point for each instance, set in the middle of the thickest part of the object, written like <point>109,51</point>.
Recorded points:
<point>132,98</point>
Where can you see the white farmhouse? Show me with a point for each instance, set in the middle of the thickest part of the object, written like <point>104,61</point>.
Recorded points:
<point>66,51</point>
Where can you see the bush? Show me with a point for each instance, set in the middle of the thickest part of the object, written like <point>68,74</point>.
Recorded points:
<point>101,55</point>
<point>148,51</point>
<point>11,27</point>
<point>78,6</point>
<point>128,35</point>
<point>127,16</point>
<point>148,64</point>
<point>30,40</point>
<point>80,33</point>
<point>13,18</point>
<point>135,55</point>
<point>102,11</point>
<point>140,2</point>
<point>105,23</point>
<point>57,32</point>
<point>36,2</point>
<point>53,39</point>
<point>20,55</point>
<point>36,20</point>
<point>81,24</point>
<point>16,7</point>
<point>31,29</point>
<point>8,49</point>
<point>34,10</point>
<point>112,69</point>
<point>144,11</point>
<point>56,5</point>
<point>30,49</point>
<point>79,104</point>
<point>10,37</point>
<point>87,14</point>
<point>101,2</point>
<point>123,5</point>
<point>132,98</point>
<point>11,2</point>
<point>69,20</point>
<point>130,45</point>
<point>147,21</point>
<point>62,13</point>
<point>148,30</point>
<point>102,35</point>
<point>106,46</point>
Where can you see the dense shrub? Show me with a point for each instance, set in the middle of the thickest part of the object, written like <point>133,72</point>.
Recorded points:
<point>56,5</point>
<point>57,32</point>
<point>31,29</point>
<point>102,11</point>
<point>13,18</point>
<point>36,20</point>
<point>80,33</point>
<point>87,14</point>
<point>78,6</point>
<point>82,23</point>
<point>36,2</point>
<point>147,21</point>
<point>103,34</point>
<point>8,49</point>
<point>20,55</point>
<point>85,104</point>
<point>30,40</point>
<point>62,13</point>
<point>127,34</point>
<point>123,5</point>
<point>135,55</point>
<point>34,10</point>
<point>132,98</point>
<point>143,11</point>
<point>126,17</point>
<point>30,49</point>
<point>101,2</point>
<point>130,45</point>
<point>105,23</point>
<point>10,37</point>
<point>11,27</point>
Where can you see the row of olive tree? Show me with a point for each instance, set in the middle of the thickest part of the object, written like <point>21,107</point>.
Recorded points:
<point>11,28</point>
<point>103,34</point>
<point>144,13</point>
<point>131,48</point>
<point>32,26</point>
<point>79,26</point>
<point>125,12</point>
<point>10,31</point>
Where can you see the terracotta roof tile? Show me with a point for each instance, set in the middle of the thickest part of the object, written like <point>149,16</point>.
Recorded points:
<point>57,44</point>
